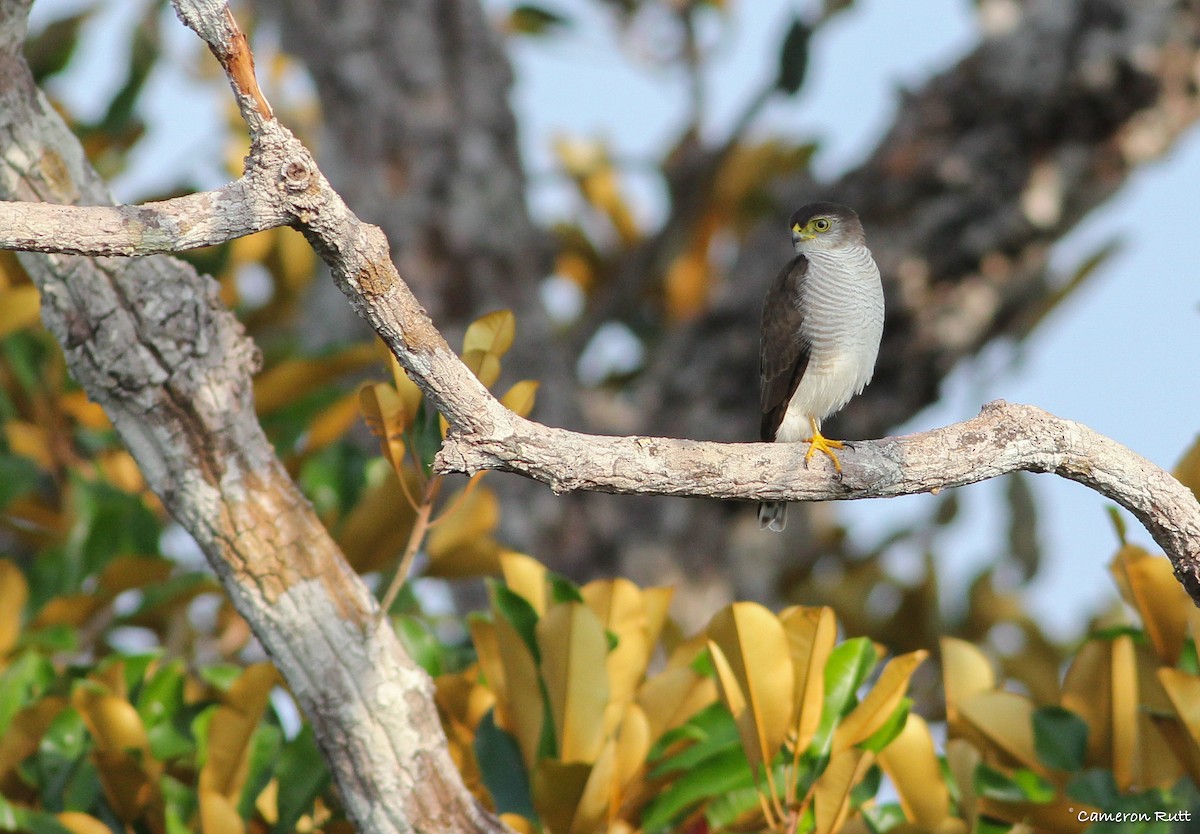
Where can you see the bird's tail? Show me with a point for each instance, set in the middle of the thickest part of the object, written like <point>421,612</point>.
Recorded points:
<point>772,515</point>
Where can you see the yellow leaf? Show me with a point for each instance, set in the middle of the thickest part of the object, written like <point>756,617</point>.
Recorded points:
<point>1006,721</point>
<point>29,441</point>
<point>126,572</point>
<point>518,823</point>
<point>1188,468</point>
<point>962,759</point>
<point>1148,584</point>
<point>656,603</point>
<point>911,762</point>
<point>121,470</point>
<point>85,412</point>
<point>491,334</point>
<point>523,688</point>
<point>14,593</point>
<point>25,732</point>
<point>883,699</point>
<point>573,648</point>
<point>1124,680</point>
<point>557,789</point>
<point>633,745</point>
<point>811,635</point>
<point>332,423</point>
<point>218,814</point>
<point>485,366</point>
<point>461,544</point>
<point>112,721</point>
<point>1088,693</point>
<point>831,794</point>
<point>689,279</point>
<point>619,605</point>
<point>231,728</point>
<point>72,609</point>
<point>1184,691</point>
<point>78,822</point>
<point>295,378</point>
<point>1060,815</point>
<point>526,577</point>
<point>20,307</point>
<point>1182,743</point>
<point>376,530</point>
<point>520,398</point>
<point>754,675</point>
<point>487,649</point>
<point>672,697</point>
<point>966,672</point>
<point>597,792</point>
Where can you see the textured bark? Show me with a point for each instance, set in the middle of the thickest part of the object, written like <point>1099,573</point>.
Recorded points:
<point>150,342</point>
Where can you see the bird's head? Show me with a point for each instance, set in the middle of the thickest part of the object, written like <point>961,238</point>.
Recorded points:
<point>823,227</point>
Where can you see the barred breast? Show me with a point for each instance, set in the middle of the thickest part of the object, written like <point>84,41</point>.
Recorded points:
<point>842,301</point>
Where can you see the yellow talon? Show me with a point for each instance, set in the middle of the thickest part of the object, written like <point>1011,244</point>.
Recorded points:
<point>821,443</point>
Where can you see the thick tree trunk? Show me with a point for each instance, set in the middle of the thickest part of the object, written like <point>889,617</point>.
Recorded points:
<point>149,340</point>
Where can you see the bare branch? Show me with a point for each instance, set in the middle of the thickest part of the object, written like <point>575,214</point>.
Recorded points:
<point>174,225</point>
<point>1004,438</point>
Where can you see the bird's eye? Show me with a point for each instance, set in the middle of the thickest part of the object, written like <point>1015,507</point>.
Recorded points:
<point>821,224</point>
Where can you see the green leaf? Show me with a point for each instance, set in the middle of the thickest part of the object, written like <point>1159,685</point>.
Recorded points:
<point>62,769</point>
<point>24,681</point>
<point>715,776</point>
<point>713,732</point>
<point>16,818</point>
<point>518,612</point>
<point>302,777</point>
<point>793,57</point>
<point>220,675</point>
<point>425,436</point>
<point>1060,737</point>
<point>18,476</point>
<point>891,728</point>
<point>181,805</point>
<point>1094,787</point>
<point>503,769</point>
<point>730,806</point>
<point>1023,786</point>
<point>49,51</point>
<point>265,745</point>
<point>865,790</point>
<point>421,644</point>
<point>882,818</point>
<point>848,667</point>
<point>333,478</point>
<point>562,589</point>
<point>530,19</point>
<point>993,784</point>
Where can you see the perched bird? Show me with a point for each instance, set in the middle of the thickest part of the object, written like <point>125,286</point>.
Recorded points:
<point>821,325</point>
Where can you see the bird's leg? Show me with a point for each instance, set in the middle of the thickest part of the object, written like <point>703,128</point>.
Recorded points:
<point>821,443</point>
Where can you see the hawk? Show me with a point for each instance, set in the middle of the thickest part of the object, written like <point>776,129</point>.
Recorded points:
<point>821,325</point>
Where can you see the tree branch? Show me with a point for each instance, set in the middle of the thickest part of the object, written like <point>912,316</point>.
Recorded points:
<point>485,435</point>
<point>188,419</point>
<point>149,341</point>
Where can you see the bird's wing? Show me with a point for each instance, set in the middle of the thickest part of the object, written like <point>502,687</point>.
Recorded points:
<point>783,354</point>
